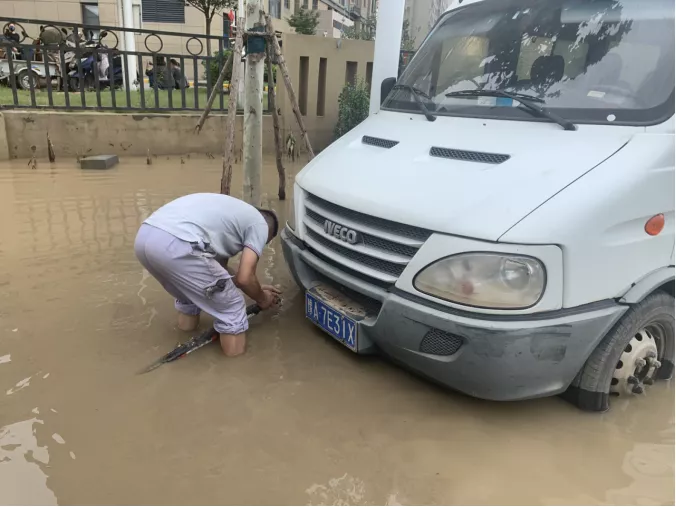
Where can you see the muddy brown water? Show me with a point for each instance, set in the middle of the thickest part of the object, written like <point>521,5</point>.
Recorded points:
<point>297,420</point>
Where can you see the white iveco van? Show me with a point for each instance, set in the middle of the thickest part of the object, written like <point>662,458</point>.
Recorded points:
<point>504,225</point>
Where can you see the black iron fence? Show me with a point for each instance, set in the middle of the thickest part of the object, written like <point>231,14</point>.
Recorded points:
<point>71,66</point>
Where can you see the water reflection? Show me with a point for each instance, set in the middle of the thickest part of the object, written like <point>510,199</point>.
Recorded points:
<point>22,478</point>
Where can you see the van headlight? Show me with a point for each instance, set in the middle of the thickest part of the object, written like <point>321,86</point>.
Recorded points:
<point>487,280</point>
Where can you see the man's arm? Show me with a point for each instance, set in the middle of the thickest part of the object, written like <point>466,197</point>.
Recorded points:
<point>246,280</point>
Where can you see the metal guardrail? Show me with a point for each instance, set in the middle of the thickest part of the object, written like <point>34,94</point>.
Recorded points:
<point>75,66</point>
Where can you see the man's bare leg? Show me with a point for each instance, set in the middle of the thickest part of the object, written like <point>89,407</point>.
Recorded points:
<point>233,344</point>
<point>188,322</point>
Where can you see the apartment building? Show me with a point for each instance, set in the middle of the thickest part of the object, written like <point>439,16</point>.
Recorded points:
<point>337,15</point>
<point>423,14</point>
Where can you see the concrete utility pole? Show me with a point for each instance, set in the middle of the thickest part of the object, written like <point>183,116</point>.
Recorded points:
<point>238,61</point>
<point>129,43</point>
<point>253,111</point>
<point>389,21</point>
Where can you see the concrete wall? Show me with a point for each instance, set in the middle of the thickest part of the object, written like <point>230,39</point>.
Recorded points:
<point>4,146</point>
<point>337,52</point>
<point>115,133</point>
<point>326,19</point>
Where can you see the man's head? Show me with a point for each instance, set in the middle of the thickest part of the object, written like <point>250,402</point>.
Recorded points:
<point>174,63</point>
<point>11,27</point>
<point>272,221</point>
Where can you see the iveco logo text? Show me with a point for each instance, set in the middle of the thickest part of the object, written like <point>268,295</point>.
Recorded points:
<point>341,232</point>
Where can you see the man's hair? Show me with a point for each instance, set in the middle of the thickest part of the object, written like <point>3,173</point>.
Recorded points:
<point>271,219</point>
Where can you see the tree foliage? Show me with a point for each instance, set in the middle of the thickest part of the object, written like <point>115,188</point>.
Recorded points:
<point>407,41</point>
<point>209,8</point>
<point>304,21</point>
<point>353,107</point>
<point>367,31</point>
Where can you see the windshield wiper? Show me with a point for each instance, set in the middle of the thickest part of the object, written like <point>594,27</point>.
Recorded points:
<point>416,92</point>
<point>526,100</point>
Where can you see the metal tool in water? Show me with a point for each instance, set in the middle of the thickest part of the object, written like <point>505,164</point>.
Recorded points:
<point>194,343</point>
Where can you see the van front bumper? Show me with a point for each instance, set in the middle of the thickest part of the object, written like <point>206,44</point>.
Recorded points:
<point>499,357</point>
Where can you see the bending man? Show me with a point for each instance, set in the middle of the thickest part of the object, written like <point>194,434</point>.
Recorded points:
<point>186,245</point>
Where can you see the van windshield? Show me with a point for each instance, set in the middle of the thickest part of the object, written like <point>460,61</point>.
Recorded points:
<point>588,61</point>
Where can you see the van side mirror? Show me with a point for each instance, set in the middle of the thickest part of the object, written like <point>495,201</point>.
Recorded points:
<point>386,87</point>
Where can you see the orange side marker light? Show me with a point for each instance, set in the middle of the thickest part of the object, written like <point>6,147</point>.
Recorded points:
<point>655,225</point>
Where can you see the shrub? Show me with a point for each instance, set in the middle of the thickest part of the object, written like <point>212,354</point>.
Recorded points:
<point>353,107</point>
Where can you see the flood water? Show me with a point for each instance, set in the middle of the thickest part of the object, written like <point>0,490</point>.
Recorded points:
<point>297,420</point>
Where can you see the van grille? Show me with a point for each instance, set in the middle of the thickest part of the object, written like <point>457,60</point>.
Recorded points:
<point>385,251</point>
<point>373,241</point>
<point>367,260</point>
<point>407,231</point>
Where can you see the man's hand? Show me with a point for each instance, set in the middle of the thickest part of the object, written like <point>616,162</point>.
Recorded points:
<point>269,300</point>
<point>272,296</point>
<point>272,289</point>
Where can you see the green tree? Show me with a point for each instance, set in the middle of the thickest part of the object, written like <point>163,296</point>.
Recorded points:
<point>304,21</point>
<point>353,107</point>
<point>407,42</point>
<point>209,8</point>
<point>365,31</point>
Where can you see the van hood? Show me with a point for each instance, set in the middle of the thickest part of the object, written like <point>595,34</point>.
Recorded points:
<point>465,198</point>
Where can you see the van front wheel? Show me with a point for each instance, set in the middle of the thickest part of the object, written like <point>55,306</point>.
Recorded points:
<point>636,352</point>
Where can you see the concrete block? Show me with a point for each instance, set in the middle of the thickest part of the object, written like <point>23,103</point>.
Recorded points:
<point>99,162</point>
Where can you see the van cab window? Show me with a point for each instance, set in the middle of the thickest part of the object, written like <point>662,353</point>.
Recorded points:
<point>589,61</point>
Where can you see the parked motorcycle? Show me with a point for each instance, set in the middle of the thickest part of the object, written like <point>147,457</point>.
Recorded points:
<point>93,64</point>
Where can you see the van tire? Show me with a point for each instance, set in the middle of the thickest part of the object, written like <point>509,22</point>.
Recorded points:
<point>590,390</point>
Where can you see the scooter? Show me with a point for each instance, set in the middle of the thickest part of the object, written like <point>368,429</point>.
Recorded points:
<point>89,65</point>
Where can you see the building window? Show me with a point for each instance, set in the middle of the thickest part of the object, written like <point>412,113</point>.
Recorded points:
<point>163,11</point>
<point>90,17</point>
<point>315,5</point>
<point>287,4</point>
<point>275,8</point>
<point>304,4</point>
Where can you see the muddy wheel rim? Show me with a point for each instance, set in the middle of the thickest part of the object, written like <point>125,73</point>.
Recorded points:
<point>639,362</point>
<point>26,81</point>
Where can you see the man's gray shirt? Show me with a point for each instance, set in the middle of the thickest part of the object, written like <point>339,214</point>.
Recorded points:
<point>223,224</point>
